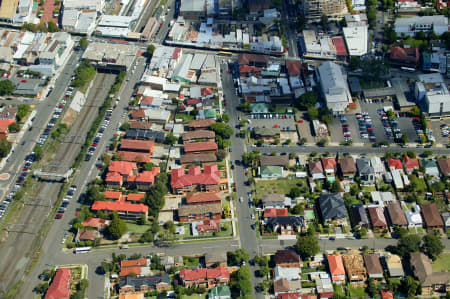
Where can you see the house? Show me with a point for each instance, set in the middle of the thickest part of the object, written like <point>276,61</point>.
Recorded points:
<point>97,223</point>
<point>376,215</point>
<point>138,295</point>
<point>354,267</point>
<point>125,210</point>
<point>253,60</point>
<point>334,87</point>
<point>202,147</point>
<point>410,164</point>
<point>209,226</point>
<point>431,215</point>
<point>271,172</point>
<point>377,165</point>
<point>414,217</point>
<point>220,292</point>
<point>198,135</point>
<point>444,166</point>
<point>272,212</point>
<point>396,215</point>
<point>200,124</point>
<point>197,159</point>
<point>332,207</point>
<point>394,265</point>
<point>286,286</point>
<point>208,278</point>
<point>144,180</point>
<point>274,160</point>
<point>203,198</point>
<point>134,157</point>
<point>394,164</point>
<point>87,235</point>
<point>122,168</point>
<point>195,179</point>
<point>131,284</point>
<point>139,267</point>
<point>59,288</point>
<point>431,168</point>
<point>386,294</point>
<point>431,282</point>
<point>289,273</point>
<point>287,258</point>
<point>138,146</point>
<point>273,200</point>
<point>347,167</point>
<point>189,213</point>
<point>216,258</point>
<point>336,268</point>
<point>316,170</point>
<point>267,134</point>
<point>360,217</point>
<point>330,166</point>
<point>446,217</point>
<point>286,225</point>
<point>373,266</point>
<point>404,57</point>
<point>366,171</point>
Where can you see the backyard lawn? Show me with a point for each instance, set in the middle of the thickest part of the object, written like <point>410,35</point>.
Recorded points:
<point>280,186</point>
<point>137,229</point>
<point>442,263</point>
<point>194,296</point>
<point>185,117</point>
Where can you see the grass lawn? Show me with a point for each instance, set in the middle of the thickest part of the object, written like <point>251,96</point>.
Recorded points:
<point>368,84</point>
<point>339,290</point>
<point>280,186</point>
<point>191,261</point>
<point>357,292</point>
<point>185,117</point>
<point>442,263</point>
<point>368,188</point>
<point>194,296</point>
<point>137,229</point>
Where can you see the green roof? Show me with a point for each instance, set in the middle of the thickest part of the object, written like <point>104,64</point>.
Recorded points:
<point>259,108</point>
<point>210,113</point>
<point>429,163</point>
<point>271,171</point>
<point>220,291</point>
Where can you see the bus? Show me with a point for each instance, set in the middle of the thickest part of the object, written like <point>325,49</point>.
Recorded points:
<point>82,250</point>
<point>408,69</point>
<point>224,53</point>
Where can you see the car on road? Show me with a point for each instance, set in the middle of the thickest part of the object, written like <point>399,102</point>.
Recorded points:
<point>58,216</point>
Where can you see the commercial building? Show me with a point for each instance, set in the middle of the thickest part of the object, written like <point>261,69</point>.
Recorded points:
<point>79,21</point>
<point>357,39</point>
<point>410,26</point>
<point>314,9</point>
<point>116,57</point>
<point>115,26</point>
<point>315,46</point>
<point>193,9</point>
<point>432,94</point>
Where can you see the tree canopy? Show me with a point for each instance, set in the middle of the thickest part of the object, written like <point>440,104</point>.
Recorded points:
<point>243,280</point>
<point>307,246</point>
<point>432,246</point>
<point>222,129</point>
<point>117,227</point>
<point>6,87</point>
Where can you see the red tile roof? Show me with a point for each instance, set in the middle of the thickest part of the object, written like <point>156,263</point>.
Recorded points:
<point>85,234</point>
<point>386,295</point>
<point>119,206</point>
<point>210,176</point>
<point>248,69</point>
<point>130,270</point>
<point>199,197</point>
<point>341,49</point>
<point>405,54</point>
<point>272,212</point>
<point>395,163</point>
<point>113,195</point>
<point>208,225</point>
<point>176,53</point>
<point>200,146</point>
<point>59,288</point>
<point>329,163</point>
<point>134,157</point>
<point>410,163</point>
<point>133,263</point>
<point>145,125</point>
<point>315,167</point>
<point>137,145</point>
<point>204,274</point>
<point>147,100</point>
<point>293,67</point>
<point>201,123</point>
<point>335,264</point>
<point>95,222</point>
<point>6,122</point>
<point>207,91</point>
<point>377,217</point>
<point>137,114</point>
<point>147,176</point>
<point>113,177</point>
<point>135,197</point>
<point>122,167</point>
<point>193,101</point>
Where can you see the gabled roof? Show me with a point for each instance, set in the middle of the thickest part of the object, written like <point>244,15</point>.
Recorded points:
<point>133,263</point>
<point>187,210</point>
<point>198,158</point>
<point>296,221</point>
<point>119,206</point>
<point>134,157</point>
<point>359,215</point>
<point>373,265</point>
<point>377,216</point>
<point>395,164</point>
<point>444,166</point>
<point>86,234</point>
<point>59,288</point>
<point>364,167</point>
<point>209,225</point>
<point>396,214</point>
<point>286,257</point>
<point>423,270</point>
<point>113,177</point>
<point>150,281</point>
<point>198,134</point>
<point>210,176</point>
<point>335,264</point>
<point>404,54</point>
<point>273,198</point>
<point>95,222</point>
<point>293,67</point>
<point>431,215</point>
<point>329,163</point>
<point>347,165</point>
<point>113,195</point>
<point>204,274</point>
<point>201,123</point>
<point>386,294</point>
<point>410,163</point>
<point>332,206</point>
<point>135,196</point>
<point>200,197</point>
<point>137,145</point>
<point>200,146</point>
<point>315,167</point>
<point>245,58</point>
<point>147,176</point>
<point>272,212</point>
<point>122,167</point>
<point>281,160</point>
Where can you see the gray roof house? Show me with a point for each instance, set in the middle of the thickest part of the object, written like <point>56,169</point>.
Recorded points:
<point>431,167</point>
<point>365,170</point>
<point>332,207</point>
<point>274,200</point>
<point>360,217</point>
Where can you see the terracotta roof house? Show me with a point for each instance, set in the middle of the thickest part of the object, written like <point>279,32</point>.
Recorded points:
<point>431,216</point>
<point>60,286</point>
<point>354,267</point>
<point>444,166</point>
<point>294,67</point>
<point>386,294</point>
<point>142,125</point>
<point>376,215</point>
<point>408,57</point>
<point>195,179</point>
<point>123,168</point>
<point>431,282</point>
<point>253,59</point>
<point>209,226</point>
<point>198,135</point>
<point>134,263</point>
<point>200,147</point>
<point>347,167</point>
<point>281,160</point>
<point>135,197</point>
<point>201,124</point>
<point>336,267</point>
<point>113,195</point>
<point>411,164</point>
<point>329,165</point>
<point>287,258</point>
<point>208,278</point>
<point>394,164</point>
<point>139,146</point>
<point>273,212</point>
<point>373,266</point>
<point>332,207</point>
<point>360,217</point>
<point>286,225</point>
<point>114,180</point>
<point>87,235</point>
<point>125,210</point>
<point>138,114</point>
<point>198,159</point>
<point>129,284</point>
<point>144,180</point>
<point>396,215</point>
<point>189,213</point>
<point>97,223</point>
<point>316,170</point>
<point>134,157</point>
<point>285,286</point>
<point>203,198</point>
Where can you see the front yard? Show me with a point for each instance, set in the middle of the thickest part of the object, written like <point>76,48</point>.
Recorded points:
<point>442,263</point>
<point>280,186</point>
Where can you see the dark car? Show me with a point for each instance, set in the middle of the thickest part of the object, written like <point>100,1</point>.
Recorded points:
<point>87,157</point>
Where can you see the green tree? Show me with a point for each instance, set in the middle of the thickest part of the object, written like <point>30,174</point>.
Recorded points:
<point>125,126</point>
<point>324,22</point>
<point>41,288</point>
<point>117,227</point>
<point>84,43</point>
<point>170,139</point>
<point>307,246</point>
<point>93,193</point>
<point>437,187</point>
<point>243,280</point>
<point>432,246</point>
<point>355,62</point>
<point>415,111</point>
<point>306,100</point>
<point>150,49</point>
<point>408,244</point>
<point>410,286</point>
<point>221,154</point>
<point>427,153</point>
<point>235,258</point>
<point>14,128</point>
<point>224,118</point>
<point>313,113</point>
<point>142,220</point>
<point>170,226</point>
<point>295,192</point>
<point>299,209</point>
<point>335,187</point>
<point>372,289</point>
<point>147,237</point>
<point>404,138</point>
<point>6,87</point>
<point>38,152</point>
<point>22,111</point>
<point>52,27</point>
<point>222,130</point>
<point>421,35</point>
<point>5,148</point>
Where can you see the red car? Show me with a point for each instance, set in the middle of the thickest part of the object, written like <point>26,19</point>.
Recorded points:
<point>300,121</point>
<point>58,216</point>
<point>76,213</point>
<point>229,71</point>
<point>246,173</point>
<point>61,106</point>
<point>24,81</point>
<point>345,126</point>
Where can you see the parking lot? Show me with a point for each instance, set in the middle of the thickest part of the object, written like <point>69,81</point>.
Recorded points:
<point>438,130</point>
<point>286,125</point>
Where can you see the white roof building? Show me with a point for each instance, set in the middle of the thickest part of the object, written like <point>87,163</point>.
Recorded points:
<point>377,165</point>
<point>410,26</point>
<point>318,47</point>
<point>334,86</point>
<point>286,273</point>
<point>356,38</point>
<point>397,179</point>
<point>84,4</point>
<point>414,218</point>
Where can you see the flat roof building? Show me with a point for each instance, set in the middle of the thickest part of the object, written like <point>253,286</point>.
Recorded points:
<point>356,38</point>
<point>117,57</point>
<point>334,87</point>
